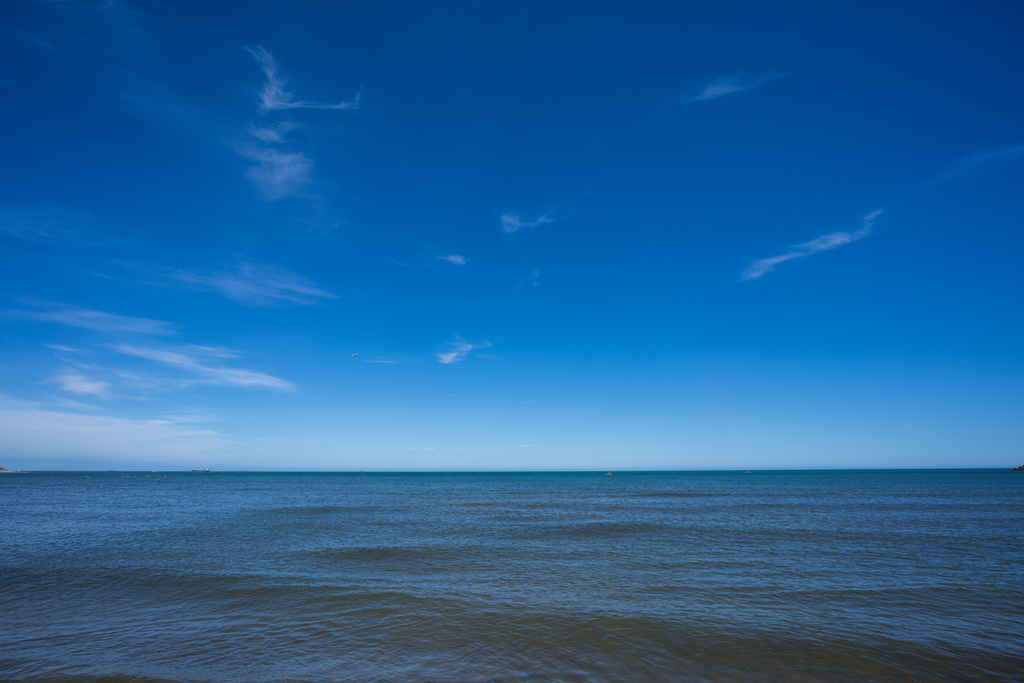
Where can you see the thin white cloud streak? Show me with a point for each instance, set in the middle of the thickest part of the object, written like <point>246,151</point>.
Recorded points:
<point>454,450</point>
<point>76,382</point>
<point>31,430</point>
<point>454,258</point>
<point>511,222</point>
<point>533,280</point>
<point>62,402</point>
<point>727,86</point>
<point>36,224</point>
<point>35,39</point>
<point>460,349</point>
<point>274,133</point>
<point>976,163</point>
<point>190,359</point>
<point>54,225</point>
<point>273,95</point>
<point>279,174</point>
<point>824,243</point>
<point>97,320</point>
<point>257,285</point>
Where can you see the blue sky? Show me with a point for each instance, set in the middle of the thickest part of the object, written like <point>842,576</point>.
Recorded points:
<point>558,235</point>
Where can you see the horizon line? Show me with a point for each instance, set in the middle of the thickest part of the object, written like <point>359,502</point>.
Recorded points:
<point>464,471</point>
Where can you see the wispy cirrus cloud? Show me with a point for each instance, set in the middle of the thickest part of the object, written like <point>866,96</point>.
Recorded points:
<point>514,222</point>
<point>979,162</point>
<point>824,243</point>
<point>273,133</point>
<point>279,174</point>
<point>78,383</point>
<point>201,363</point>
<point>32,38</point>
<point>533,280</point>
<point>454,450</point>
<point>460,349</point>
<point>256,285</point>
<point>34,224</point>
<point>511,222</point>
<point>50,224</point>
<point>194,364</point>
<point>273,95</point>
<point>727,86</point>
<point>426,261</point>
<point>37,430</point>
<point>86,318</point>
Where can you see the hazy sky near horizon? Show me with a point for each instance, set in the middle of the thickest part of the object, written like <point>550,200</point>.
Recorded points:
<point>557,235</point>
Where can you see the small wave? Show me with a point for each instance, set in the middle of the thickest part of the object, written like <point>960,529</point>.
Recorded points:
<point>592,530</point>
<point>675,494</point>
<point>321,509</point>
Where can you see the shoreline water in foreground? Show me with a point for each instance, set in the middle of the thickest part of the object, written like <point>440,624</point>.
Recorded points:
<point>688,576</point>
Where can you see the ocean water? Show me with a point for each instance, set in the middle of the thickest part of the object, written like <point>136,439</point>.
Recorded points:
<point>656,576</point>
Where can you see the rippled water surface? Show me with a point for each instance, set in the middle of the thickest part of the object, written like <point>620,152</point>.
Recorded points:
<point>768,576</point>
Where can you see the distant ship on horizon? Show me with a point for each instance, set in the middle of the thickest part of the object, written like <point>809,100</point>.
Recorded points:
<point>202,470</point>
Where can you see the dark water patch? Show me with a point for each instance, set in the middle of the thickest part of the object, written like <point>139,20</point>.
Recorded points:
<point>397,558</point>
<point>73,678</point>
<point>592,530</point>
<point>408,641</point>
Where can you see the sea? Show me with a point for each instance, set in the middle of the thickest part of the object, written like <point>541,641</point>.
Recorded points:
<point>449,577</point>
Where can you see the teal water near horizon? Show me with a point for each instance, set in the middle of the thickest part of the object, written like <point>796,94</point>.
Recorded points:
<point>911,575</point>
